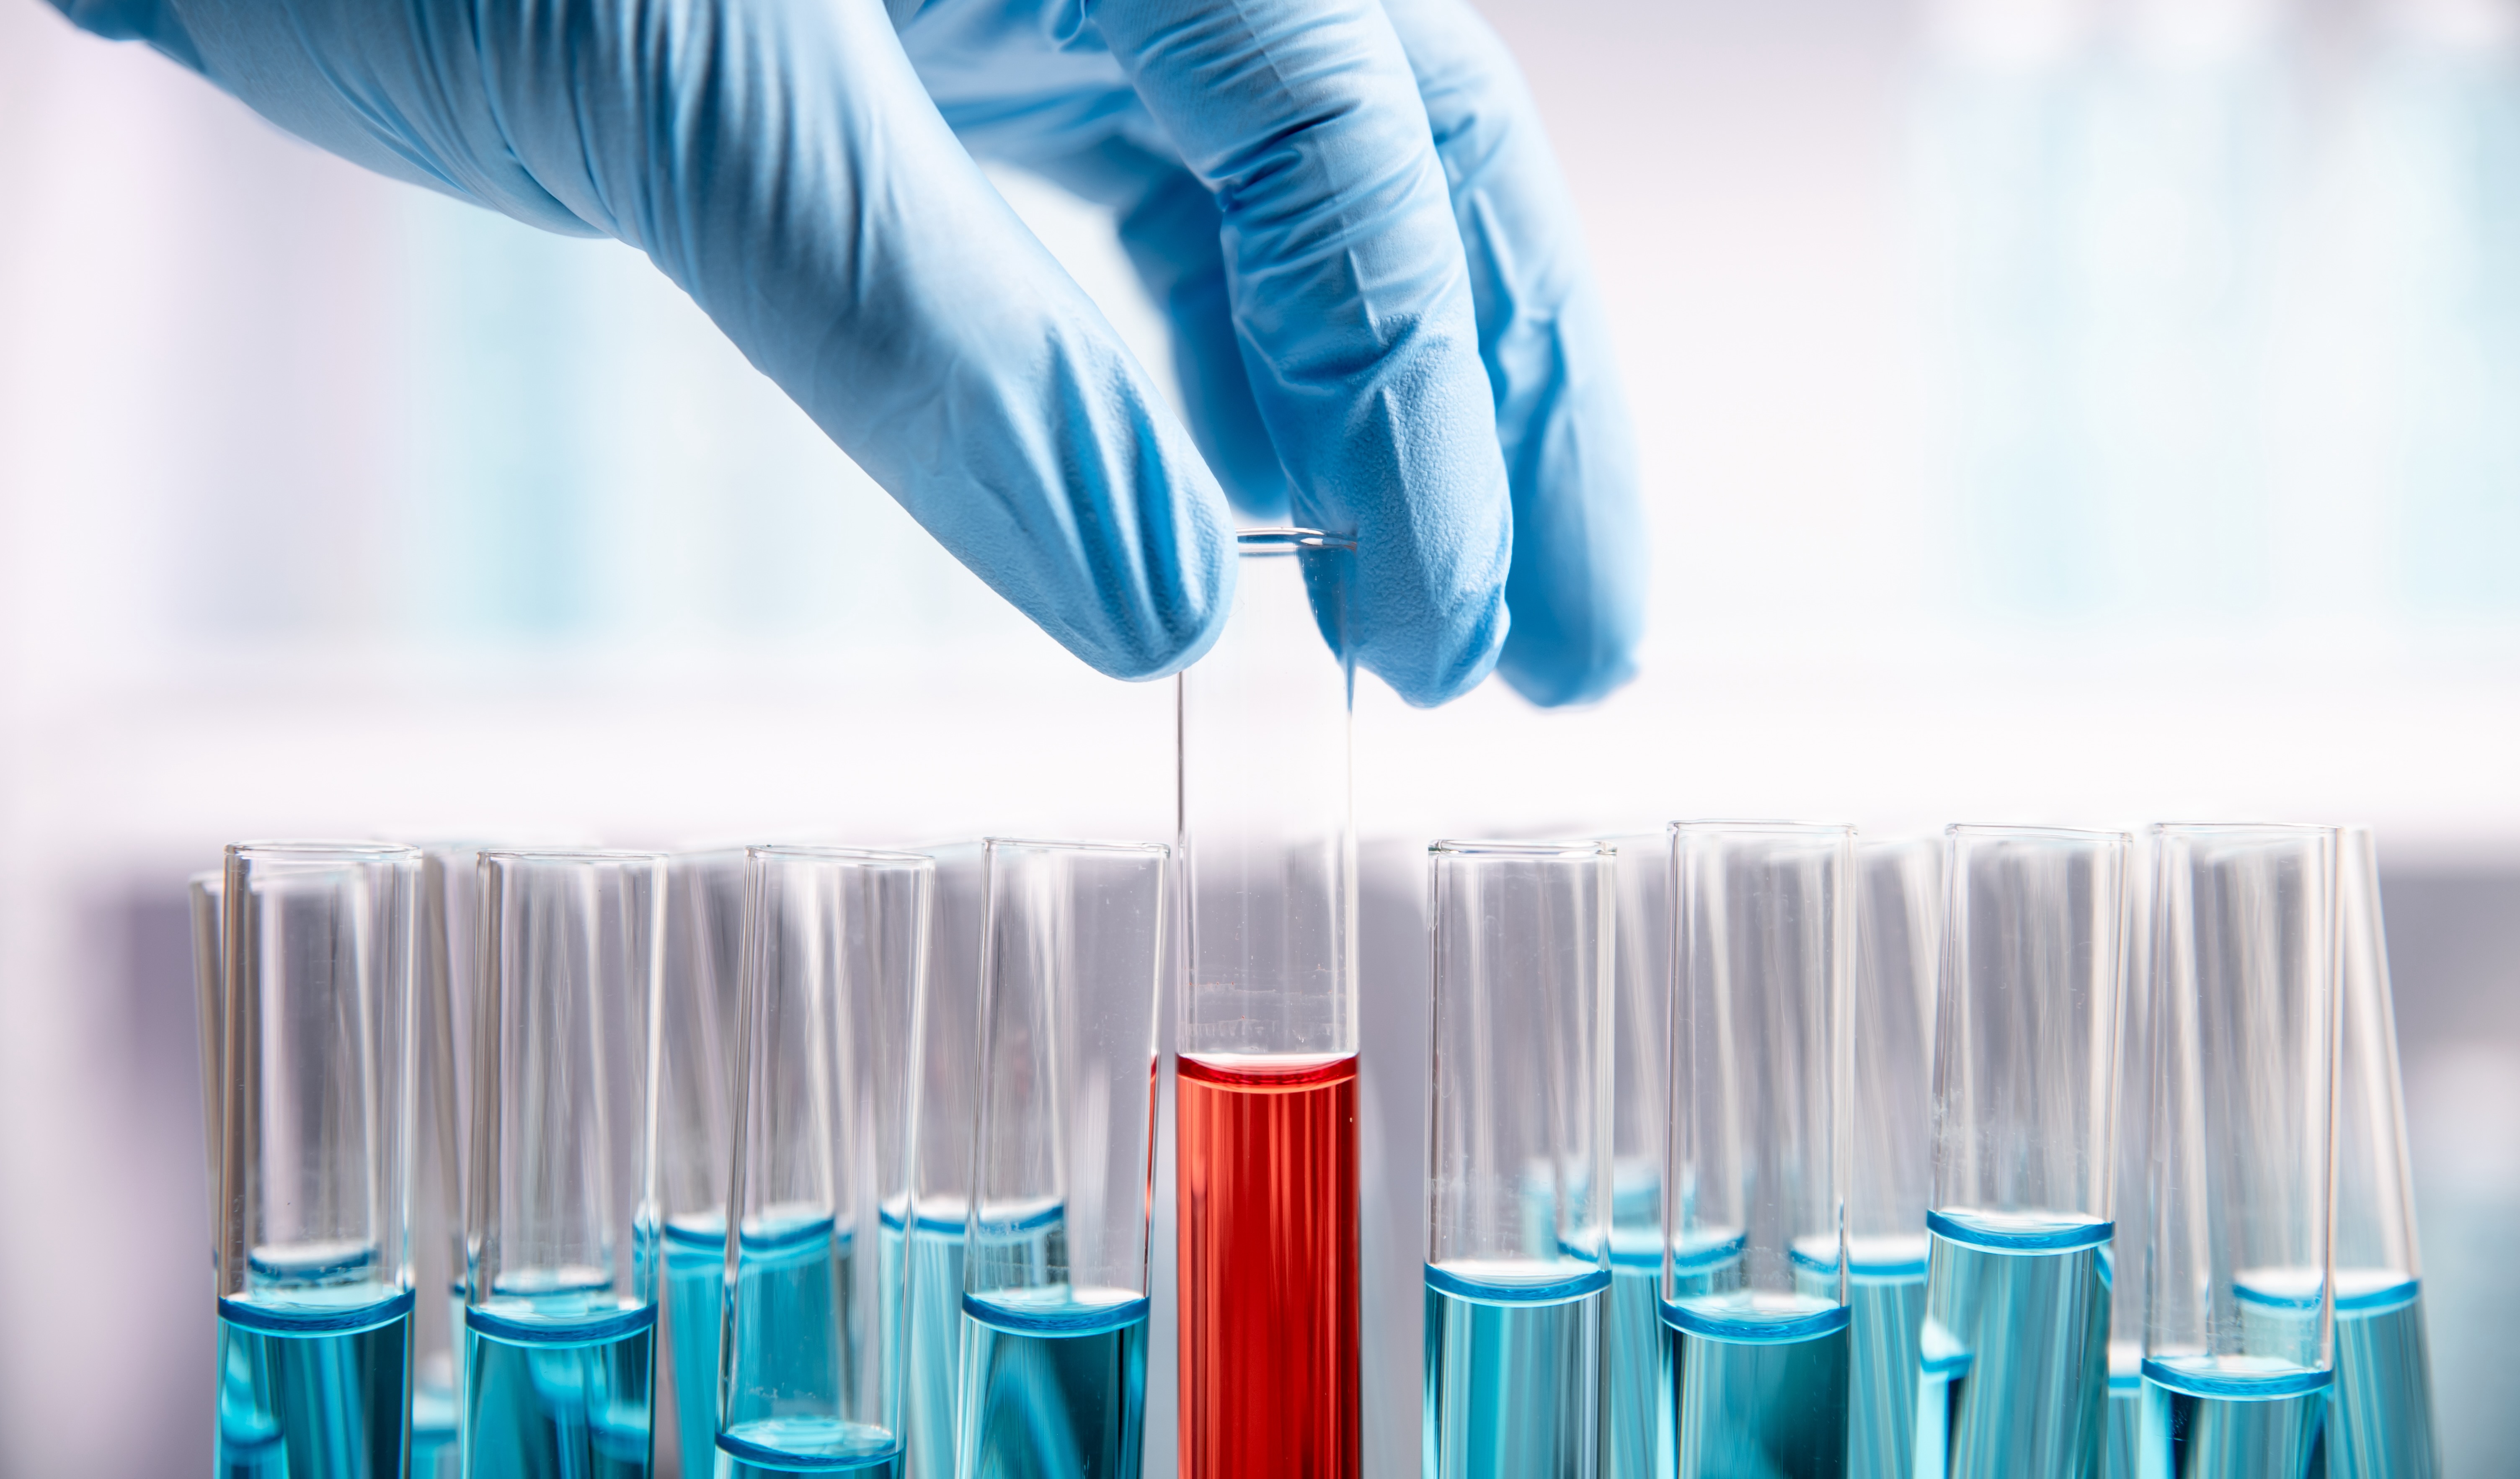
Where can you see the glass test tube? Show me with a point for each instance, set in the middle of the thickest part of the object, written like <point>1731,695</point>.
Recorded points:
<point>2130,1190</point>
<point>927,1235</point>
<point>695,1136</point>
<point>2237,1307</point>
<point>2382,1411</point>
<point>811,1360</point>
<point>315,1069</point>
<point>204,891</point>
<point>1518,1111</point>
<point>1054,1350</point>
<point>560,1312</point>
<point>1898,906</point>
<point>2016,1344</point>
<point>1755,1351</point>
<point>1265,1087</point>
<point>449,954</point>
<point>1639,1040</point>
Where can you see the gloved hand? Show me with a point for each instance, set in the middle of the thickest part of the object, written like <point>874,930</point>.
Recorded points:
<point>1280,187</point>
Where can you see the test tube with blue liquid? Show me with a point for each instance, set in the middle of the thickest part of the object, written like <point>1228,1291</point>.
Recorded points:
<point>1899,936</point>
<point>315,1069</point>
<point>449,956</point>
<point>2131,1149</point>
<point>1640,1042</point>
<point>811,1359</point>
<point>561,1234</point>
<point>2380,1415</point>
<point>1755,1351</point>
<point>696,1103</point>
<point>2015,1343</point>
<point>924,1232</point>
<point>1518,1110</point>
<point>1054,1345</point>
<point>2239,1293</point>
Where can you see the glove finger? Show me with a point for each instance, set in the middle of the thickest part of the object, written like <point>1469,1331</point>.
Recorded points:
<point>1348,288</point>
<point>783,164</point>
<point>1169,226</point>
<point>1577,585</point>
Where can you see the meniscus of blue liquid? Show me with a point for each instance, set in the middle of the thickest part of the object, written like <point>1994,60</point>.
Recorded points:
<point>2014,1351</point>
<point>315,1379</point>
<point>2380,1417</point>
<point>1052,1385</point>
<point>557,1380</point>
<point>1885,1291</point>
<point>924,1267</point>
<point>695,1292</point>
<point>801,1339</point>
<point>1756,1381</point>
<point>1514,1354</point>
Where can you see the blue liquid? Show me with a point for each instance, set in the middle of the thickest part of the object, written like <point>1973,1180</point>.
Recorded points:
<point>315,1381</point>
<point>2126,1410</point>
<point>1632,1380</point>
<point>695,1281</point>
<point>1886,1299</point>
<point>434,1452</point>
<point>2203,1420</point>
<point>1053,1386</point>
<point>2381,1420</point>
<point>932,1282</point>
<point>1514,1374</point>
<point>555,1386</point>
<point>1754,1388</point>
<point>2018,1308</point>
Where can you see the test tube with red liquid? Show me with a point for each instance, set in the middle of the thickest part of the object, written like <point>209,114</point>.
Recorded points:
<point>1266,1072</point>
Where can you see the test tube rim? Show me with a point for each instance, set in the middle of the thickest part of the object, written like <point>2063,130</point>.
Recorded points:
<point>571,855</point>
<point>1523,851</point>
<point>1286,539</point>
<point>1997,831</point>
<point>324,850</point>
<point>1760,827</point>
<point>1082,845</point>
<point>815,852</point>
<point>2222,829</point>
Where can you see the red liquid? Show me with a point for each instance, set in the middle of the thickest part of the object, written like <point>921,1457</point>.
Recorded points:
<point>1268,1270</point>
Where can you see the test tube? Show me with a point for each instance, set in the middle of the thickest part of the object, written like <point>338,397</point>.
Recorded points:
<point>2238,1288</point>
<point>1053,1349</point>
<point>449,954</point>
<point>1898,937</point>
<point>1639,1041</point>
<point>1266,1073</point>
<point>696,1141</point>
<point>1518,1111</point>
<point>926,1235</point>
<point>2016,1344</point>
<point>560,1297</point>
<point>2383,1406</point>
<point>811,1357</point>
<point>314,1265</point>
<point>1755,1349</point>
<point>2130,1152</point>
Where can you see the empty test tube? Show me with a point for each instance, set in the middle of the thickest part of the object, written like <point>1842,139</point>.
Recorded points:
<point>559,1312</point>
<point>2240,1296</point>
<point>2016,1344</point>
<point>315,1095</point>
<point>1054,1303</point>
<point>1899,938</point>
<point>1266,1076</point>
<point>1518,1111</point>
<point>2381,1413</point>
<point>1755,1349</point>
<point>812,1363</point>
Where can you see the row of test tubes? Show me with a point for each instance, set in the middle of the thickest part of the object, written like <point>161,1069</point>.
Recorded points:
<point>1754,1148</point>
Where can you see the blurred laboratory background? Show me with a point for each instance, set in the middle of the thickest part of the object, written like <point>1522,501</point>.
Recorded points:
<point>2091,411</point>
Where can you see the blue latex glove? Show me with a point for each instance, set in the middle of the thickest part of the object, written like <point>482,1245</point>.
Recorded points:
<point>1348,363</point>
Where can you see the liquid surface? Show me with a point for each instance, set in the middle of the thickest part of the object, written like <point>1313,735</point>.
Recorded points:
<point>695,1278</point>
<point>1749,1404</point>
<point>2020,1335</point>
<point>2190,1433</point>
<point>316,1385</point>
<point>805,1387</point>
<point>932,1282</point>
<point>1513,1386</point>
<point>2125,1409</point>
<point>558,1387</point>
<point>1632,1379</point>
<point>1267,1213</point>
<point>1053,1388</point>
<point>2380,1422</point>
